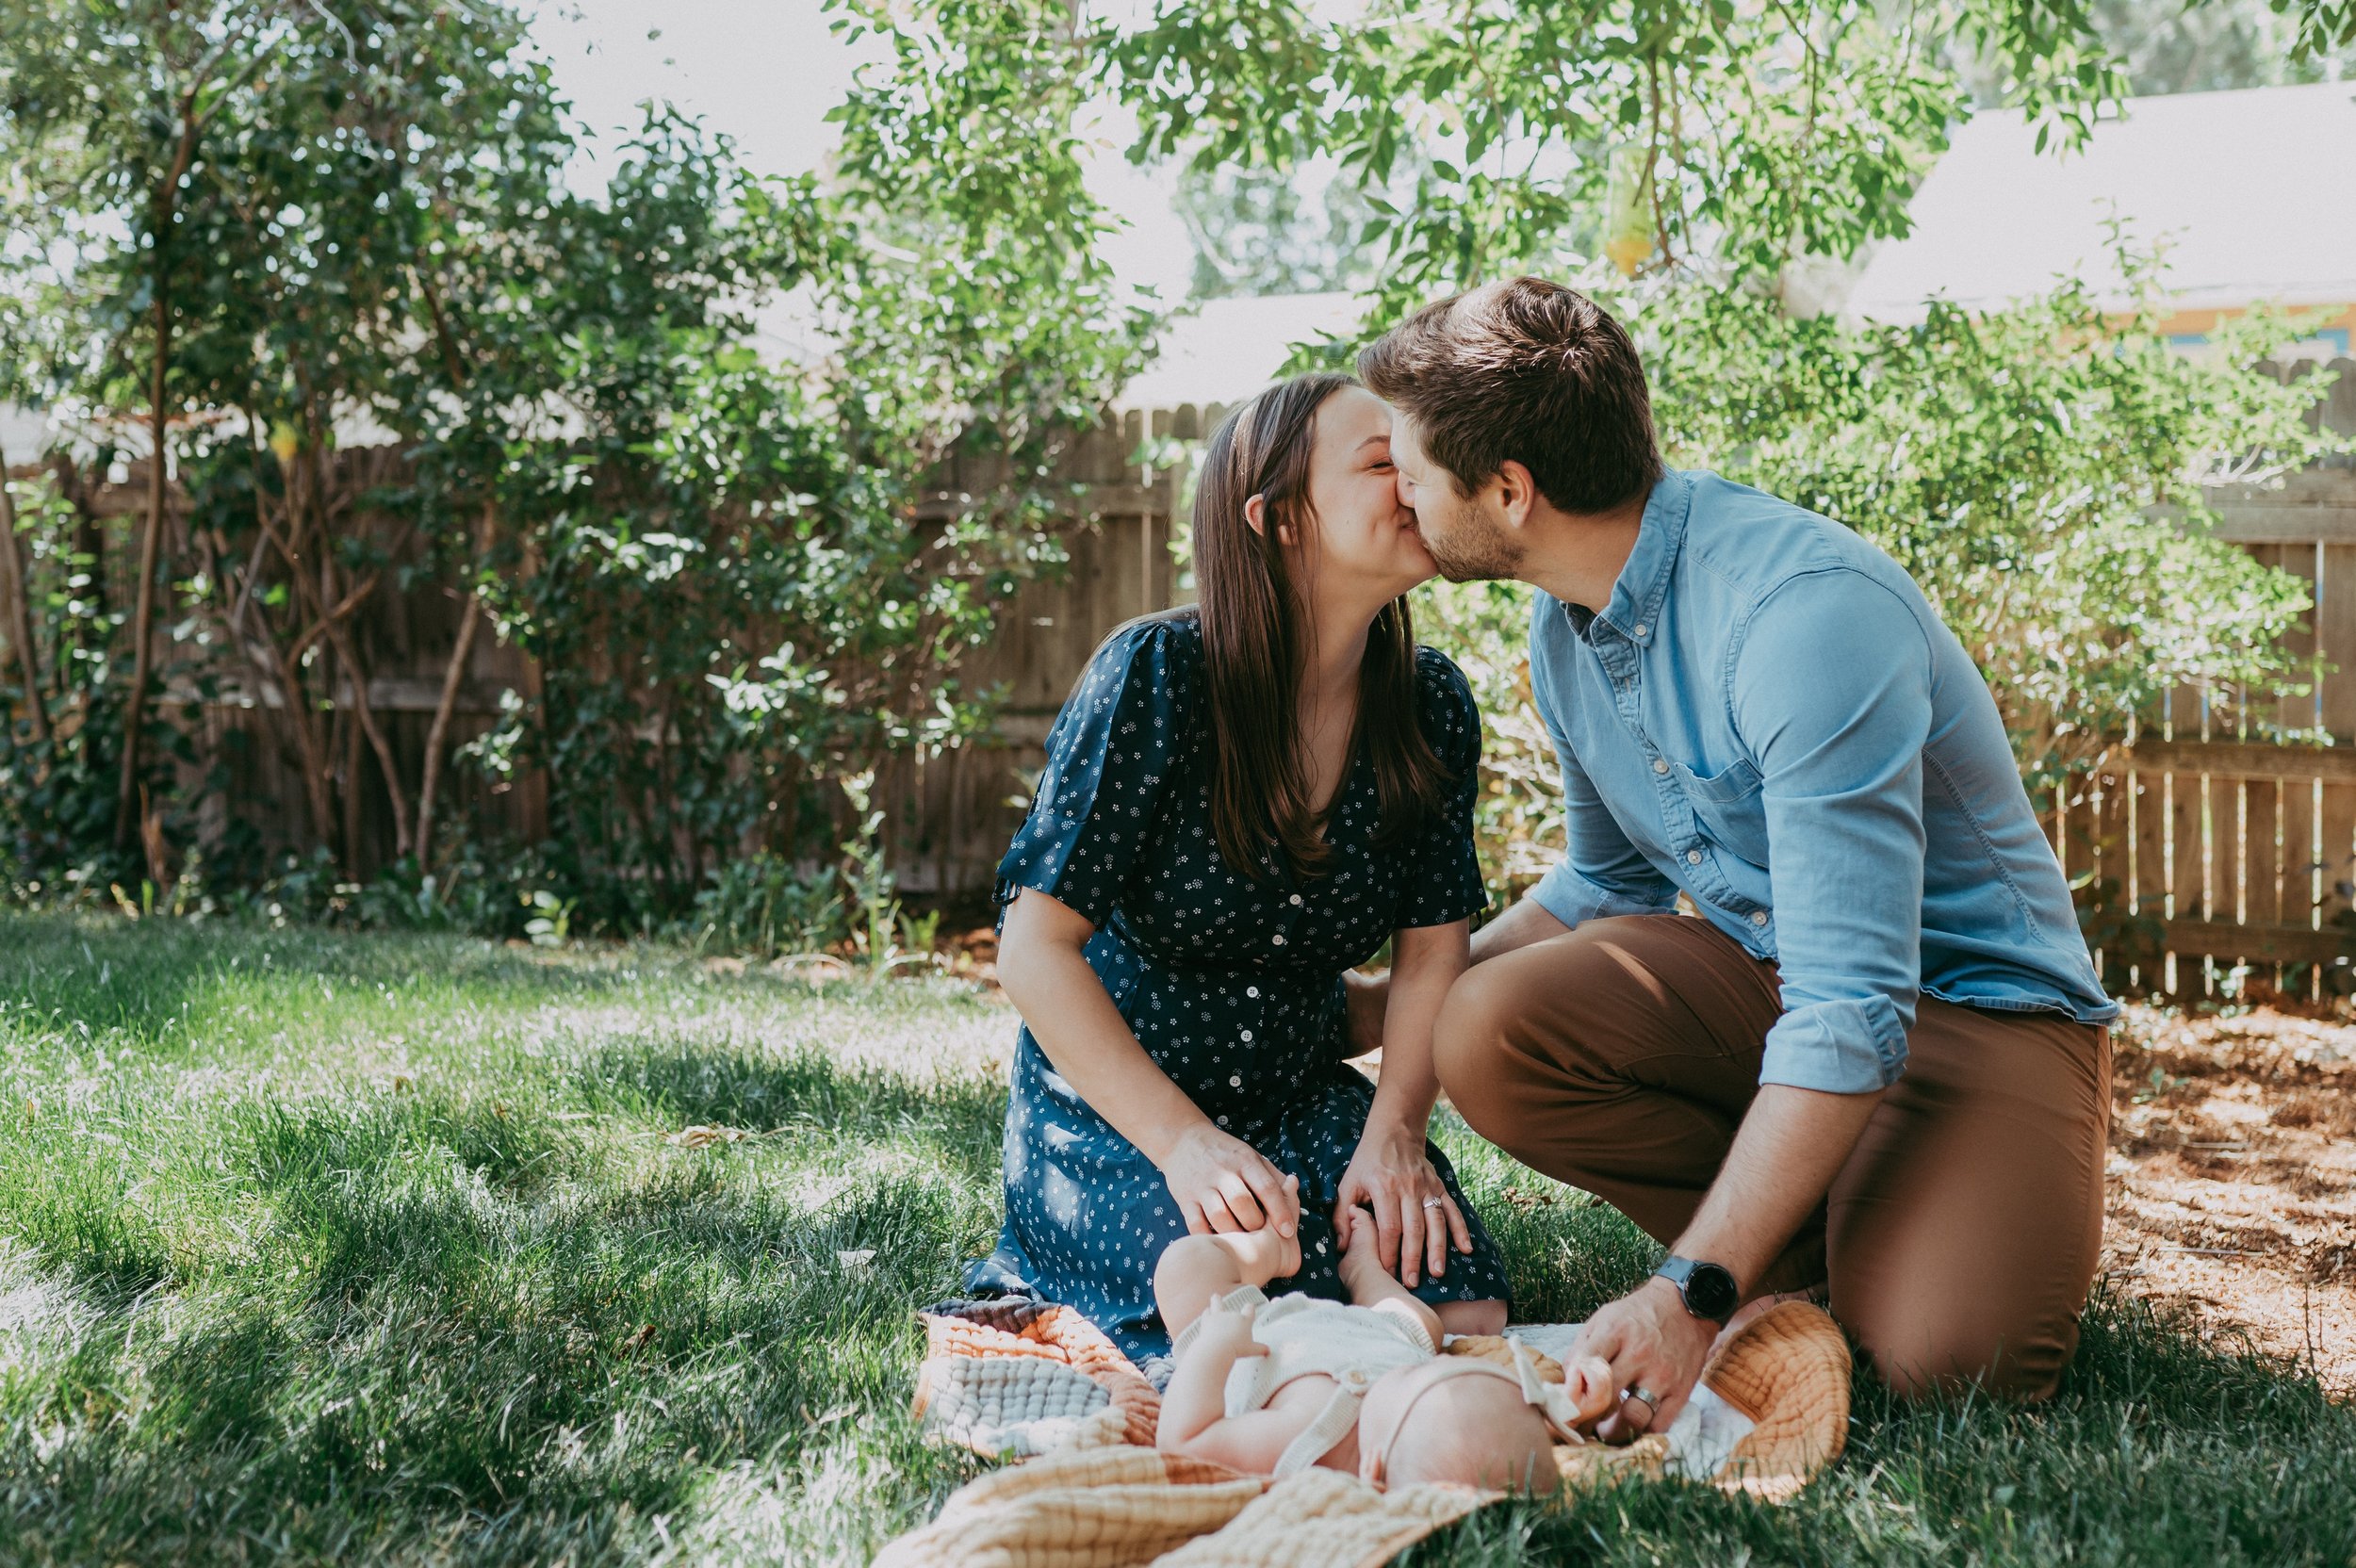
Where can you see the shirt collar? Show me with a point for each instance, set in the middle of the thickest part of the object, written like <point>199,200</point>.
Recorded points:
<point>1634,609</point>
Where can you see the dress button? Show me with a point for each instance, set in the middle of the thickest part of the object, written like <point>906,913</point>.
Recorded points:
<point>1296,900</point>
<point>1759,917</point>
<point>1692,857</point>
<point>1660,764</point>
<point>1235,1082</point>
<point>1277,938</point>
<point>1252,991</point>
<point>1247,1036</point>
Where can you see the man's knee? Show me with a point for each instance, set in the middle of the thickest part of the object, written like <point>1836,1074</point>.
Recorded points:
<point>1926,1353</point>
<point>1503,1029</point>
<point>1468,1042</point>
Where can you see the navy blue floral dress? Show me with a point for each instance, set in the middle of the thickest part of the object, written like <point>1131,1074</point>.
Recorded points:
<point>1233,985</point>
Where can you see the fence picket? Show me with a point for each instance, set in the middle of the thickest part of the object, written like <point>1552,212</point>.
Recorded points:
<point>2187,811</point>
<point>2147,800</point>
<point>2298,800</point>
<point>2335,639</point>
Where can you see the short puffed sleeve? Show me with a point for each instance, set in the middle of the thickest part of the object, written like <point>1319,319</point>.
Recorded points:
<point>1122,734</point>
<point>1442,880</point>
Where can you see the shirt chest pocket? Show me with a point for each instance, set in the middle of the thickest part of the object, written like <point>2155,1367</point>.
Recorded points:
<point>1728,809</point>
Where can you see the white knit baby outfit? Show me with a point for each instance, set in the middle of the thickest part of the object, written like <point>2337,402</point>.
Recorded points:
<point>1307,1338</point>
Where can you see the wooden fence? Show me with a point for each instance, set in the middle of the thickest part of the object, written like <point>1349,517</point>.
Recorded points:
<point>955,812</point>
<point>2221,844</point>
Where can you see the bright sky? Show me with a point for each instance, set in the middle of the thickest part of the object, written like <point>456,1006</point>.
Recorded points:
<point>764,73</point>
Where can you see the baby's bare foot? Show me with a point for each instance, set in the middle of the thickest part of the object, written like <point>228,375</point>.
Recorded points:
<point>1361,1248</point>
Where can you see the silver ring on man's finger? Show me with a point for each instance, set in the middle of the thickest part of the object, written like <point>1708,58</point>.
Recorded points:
<point>1644,1396</point>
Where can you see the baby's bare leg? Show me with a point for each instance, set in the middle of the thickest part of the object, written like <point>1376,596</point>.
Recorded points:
<point>1372,1285</point>
<point>1195,1268</point>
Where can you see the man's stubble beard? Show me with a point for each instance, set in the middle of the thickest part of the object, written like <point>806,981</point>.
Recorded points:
<point>1477,550</point>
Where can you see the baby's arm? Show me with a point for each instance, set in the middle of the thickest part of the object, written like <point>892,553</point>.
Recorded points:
<point>1194,1422</point>
<point>1372,1285</point>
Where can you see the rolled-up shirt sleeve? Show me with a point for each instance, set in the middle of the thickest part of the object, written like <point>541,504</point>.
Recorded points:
<point>1601,873</point>
<point>1832,693</point>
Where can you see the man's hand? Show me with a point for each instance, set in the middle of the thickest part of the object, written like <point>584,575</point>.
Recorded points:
<point>1651,1342</point>
<point>1370,998</point>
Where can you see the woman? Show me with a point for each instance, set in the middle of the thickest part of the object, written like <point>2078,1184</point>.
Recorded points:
<point>1243,800</point>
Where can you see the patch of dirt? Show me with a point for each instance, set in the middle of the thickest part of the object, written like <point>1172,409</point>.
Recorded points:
<point>2232,1178</point>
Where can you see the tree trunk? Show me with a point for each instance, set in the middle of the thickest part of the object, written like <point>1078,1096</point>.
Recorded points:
<point>352,775</point>
<point>357,680</point>
<point>311,747</point>
<point>89,538</point>
<point>436,738</point>
<point>15,586</point>
<point>151,543</point>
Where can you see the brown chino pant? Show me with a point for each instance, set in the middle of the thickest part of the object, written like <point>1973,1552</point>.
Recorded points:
<point>1958,1239</point>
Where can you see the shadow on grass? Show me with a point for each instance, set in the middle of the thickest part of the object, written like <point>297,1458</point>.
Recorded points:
<point>676,1082</point>
<point>406,1359</point>
<point>146,978</point>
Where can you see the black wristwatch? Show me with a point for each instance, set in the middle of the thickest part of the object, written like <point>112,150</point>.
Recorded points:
<point>1709,1290</point>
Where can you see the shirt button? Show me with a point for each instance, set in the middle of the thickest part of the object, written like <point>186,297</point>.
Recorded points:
<point>1642,628</point>
<point>1692,857</point>
<point>1759,917</point>
<point>1660,764</point>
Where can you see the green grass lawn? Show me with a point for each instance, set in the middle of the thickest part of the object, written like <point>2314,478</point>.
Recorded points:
<point>373,1248</point>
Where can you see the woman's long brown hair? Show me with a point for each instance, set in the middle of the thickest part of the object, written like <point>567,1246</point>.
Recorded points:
<point>1255,640</point>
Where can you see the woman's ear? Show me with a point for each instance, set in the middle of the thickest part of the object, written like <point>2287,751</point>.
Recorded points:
<point>1255,516</point>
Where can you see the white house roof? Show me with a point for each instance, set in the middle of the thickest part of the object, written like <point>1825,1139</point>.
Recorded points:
<point>2253,193</point>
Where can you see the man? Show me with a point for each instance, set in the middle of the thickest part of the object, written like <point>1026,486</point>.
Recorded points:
<point>1877,1064</point>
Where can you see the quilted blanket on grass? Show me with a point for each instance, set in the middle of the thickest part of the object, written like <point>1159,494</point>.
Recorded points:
<point>1037,1382</point>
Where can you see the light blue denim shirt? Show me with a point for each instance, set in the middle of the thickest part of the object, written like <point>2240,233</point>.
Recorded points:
<point>1769,715</point>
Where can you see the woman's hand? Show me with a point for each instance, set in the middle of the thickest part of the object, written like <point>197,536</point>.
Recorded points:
<point>1391,1174</point>
<point>1223,1184</point>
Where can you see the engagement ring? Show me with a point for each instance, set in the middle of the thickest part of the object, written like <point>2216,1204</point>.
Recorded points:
<point>1430,1202</point>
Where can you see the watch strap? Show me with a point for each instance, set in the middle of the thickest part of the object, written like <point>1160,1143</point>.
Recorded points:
<point>1680,1271</point>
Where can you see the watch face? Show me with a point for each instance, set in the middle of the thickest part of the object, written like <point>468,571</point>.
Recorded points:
<point>1711,1292</point>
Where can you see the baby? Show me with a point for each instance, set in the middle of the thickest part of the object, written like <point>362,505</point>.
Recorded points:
<point>1272,1387</point>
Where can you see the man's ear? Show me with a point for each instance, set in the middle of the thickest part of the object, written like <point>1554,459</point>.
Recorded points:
<point>1518,493</point>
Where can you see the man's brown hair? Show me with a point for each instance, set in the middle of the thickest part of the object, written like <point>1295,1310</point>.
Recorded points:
<point>1527,371</point>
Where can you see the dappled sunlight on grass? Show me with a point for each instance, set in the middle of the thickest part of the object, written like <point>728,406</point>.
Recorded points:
<point>317,1247</point>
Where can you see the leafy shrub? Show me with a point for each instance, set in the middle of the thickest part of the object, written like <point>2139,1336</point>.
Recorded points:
<point>764,905</point>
